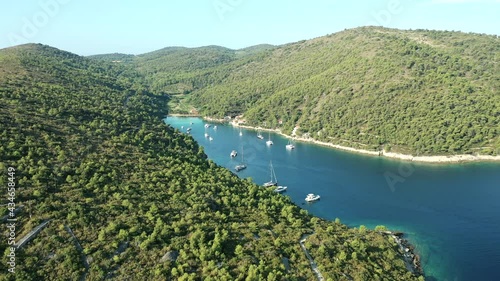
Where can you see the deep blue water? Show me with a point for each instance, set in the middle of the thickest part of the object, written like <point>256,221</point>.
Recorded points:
<point>451,213</point>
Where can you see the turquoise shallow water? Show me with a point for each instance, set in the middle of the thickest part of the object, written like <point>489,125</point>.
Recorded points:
<point>451,213</point>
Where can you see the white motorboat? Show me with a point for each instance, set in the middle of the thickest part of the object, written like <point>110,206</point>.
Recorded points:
<point>312,197</point>
<point>233,153</point>
<point>240,167</point>
<point>280,189</point>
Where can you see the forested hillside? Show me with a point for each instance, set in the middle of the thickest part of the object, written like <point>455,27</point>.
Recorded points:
<point>177,71</point>
<point>94,158</point>
<point>417,92</point>
<point>181,70</point>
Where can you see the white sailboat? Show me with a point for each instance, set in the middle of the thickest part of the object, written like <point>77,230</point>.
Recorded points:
<point>290,146</point>
<point>269,142</point>
<point>242,165</point>
<point>274,180</point>
<point>259,135</point>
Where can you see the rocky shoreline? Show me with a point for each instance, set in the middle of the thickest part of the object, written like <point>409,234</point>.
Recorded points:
<point>407,250</point>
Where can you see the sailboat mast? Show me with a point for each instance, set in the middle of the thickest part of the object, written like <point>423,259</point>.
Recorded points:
<point>271,170</point>
<point>275,178</point>
<point>273,174</point>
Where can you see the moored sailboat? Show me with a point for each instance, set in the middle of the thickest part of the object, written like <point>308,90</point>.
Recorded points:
<point>274,180</point>
<point>242,165</point>
<point>269,141</point>
<point>259,135</point>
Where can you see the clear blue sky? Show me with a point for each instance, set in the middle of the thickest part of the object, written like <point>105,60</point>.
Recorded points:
<point>90,27</point>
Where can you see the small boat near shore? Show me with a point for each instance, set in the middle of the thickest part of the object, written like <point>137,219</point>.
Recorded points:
<point>269,142</point>
<point>280,189</point>
<point>290,146</point>
<point>312,197</point>
<point>259,135</point>
<point>240,167</point>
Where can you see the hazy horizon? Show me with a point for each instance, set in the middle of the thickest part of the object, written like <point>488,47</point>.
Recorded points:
<point>91,27</point>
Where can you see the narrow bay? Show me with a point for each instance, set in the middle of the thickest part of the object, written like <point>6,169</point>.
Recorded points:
<point>451,213</point>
